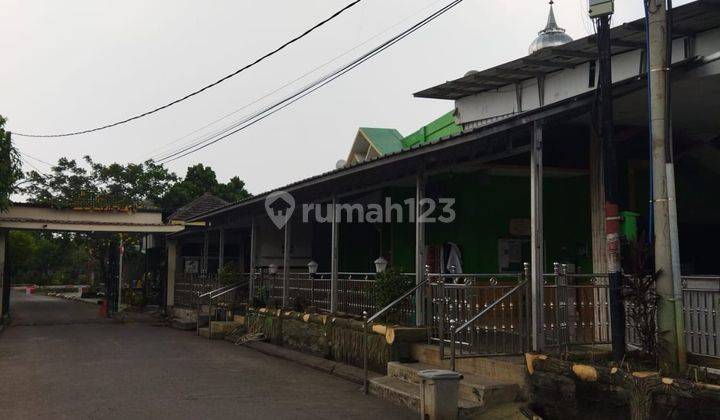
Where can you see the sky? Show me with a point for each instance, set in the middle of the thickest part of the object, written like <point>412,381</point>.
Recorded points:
<point>75,64</point>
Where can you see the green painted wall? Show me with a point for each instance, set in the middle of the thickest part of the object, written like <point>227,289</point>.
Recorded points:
<point>485,205</point>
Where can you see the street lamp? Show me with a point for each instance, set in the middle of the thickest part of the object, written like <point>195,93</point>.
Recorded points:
<point>380,265</point>
<point>312,267</point>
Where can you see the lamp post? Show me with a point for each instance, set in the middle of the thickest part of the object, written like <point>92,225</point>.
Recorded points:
<point>380,265</point>
<point>272,269</point>
<point>312,269</point>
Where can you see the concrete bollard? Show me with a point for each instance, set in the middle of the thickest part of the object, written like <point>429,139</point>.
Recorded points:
<point>439,394</point>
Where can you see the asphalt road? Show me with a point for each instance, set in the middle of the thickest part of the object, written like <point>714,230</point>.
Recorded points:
<point>59,360</point>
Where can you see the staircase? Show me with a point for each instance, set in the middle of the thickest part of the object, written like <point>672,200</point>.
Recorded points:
<point>221,328</point>
<point>476,394</point>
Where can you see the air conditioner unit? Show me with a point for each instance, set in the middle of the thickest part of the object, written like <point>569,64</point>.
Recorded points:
<point>599,8</point>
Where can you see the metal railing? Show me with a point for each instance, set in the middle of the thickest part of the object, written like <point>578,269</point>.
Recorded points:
<point>701,303</point>
<point>189,286</point>
<point>399,305</point>
<point>457,298</point>
<point>222,299</point>
<point>576,309</point>
<point>480,336</point>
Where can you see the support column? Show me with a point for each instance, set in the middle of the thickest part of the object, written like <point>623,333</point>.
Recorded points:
<point>597,221</point>
<point>537,257</point>
<point>205,252</point>
<point>334,257</point>
<point>4,289</point>
<point>671,343</point>
<point>286,266</point>
<point>597,203</point>
<point>419,248</point>
<point>221,249</point>
<point>253,250</point>
<point>172,257</point>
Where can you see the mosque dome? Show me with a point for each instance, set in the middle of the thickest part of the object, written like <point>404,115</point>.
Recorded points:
<point>551,36</point>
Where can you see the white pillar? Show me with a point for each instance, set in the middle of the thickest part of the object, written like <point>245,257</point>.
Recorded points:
<point>286,266</point>
<point>253,250</point>
<point>221,249</point>
<point>205,252</point>
<point>537,257</point>
<point>171,246</point>
<point>3,256</point>
<point>334,258</point>
<point>419,248</point>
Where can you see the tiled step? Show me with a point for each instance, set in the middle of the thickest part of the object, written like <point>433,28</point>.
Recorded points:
<point>219,329</point>
<point>407,394</point>
<point>478,389</point>
<point>184,324</point>
<point>502,368</point>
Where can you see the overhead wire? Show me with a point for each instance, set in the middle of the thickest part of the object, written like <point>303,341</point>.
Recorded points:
<point>279,105</point>
<point>202,89</point>
<point>304,75</point>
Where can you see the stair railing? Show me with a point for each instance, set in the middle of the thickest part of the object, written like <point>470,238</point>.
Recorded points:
<point>367,321</point>
<point>213,295</point>
<point>505,302</point>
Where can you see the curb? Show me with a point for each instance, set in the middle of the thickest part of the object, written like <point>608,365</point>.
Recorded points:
<point>341,370</point>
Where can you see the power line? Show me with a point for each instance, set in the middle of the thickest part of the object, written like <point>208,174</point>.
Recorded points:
<point>204,88</point>
<point>277,106</point>
<point>165,146</point>
<point>36,159</point>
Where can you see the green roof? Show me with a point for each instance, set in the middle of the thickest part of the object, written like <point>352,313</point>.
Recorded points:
<point>389,140</point>
<point>385,140</point>
<point>441,127</point>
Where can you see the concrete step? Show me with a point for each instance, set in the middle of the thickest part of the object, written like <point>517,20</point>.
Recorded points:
<point>407,394</point>
<point>506,369</point>
<point>183,324</point>
<point>484,391</point>
<point>219,329</point>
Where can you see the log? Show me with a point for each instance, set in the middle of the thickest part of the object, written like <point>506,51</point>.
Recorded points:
<point>642,385</point>
<point>405,334</point>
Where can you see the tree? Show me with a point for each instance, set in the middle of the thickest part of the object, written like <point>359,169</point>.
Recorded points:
<point>97,185</point>
<point>10,166</point>
<point>199,180</point>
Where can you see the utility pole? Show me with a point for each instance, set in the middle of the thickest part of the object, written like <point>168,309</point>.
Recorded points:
<point>601,10</point>
<point>671,343</point>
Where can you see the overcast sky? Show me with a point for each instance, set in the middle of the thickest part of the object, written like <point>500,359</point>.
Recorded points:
<point>73,65</point>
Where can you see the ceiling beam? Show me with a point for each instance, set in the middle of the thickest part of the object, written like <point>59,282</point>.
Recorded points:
<point>520,72</point>
<point>549,63</point>
<point>574,53</point>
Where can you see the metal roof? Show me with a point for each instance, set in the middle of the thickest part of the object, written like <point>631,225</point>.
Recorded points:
<point>688,19</point>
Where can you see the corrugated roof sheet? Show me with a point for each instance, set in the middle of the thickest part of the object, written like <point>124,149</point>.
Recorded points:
<point>385,140</point>
<point>691,18</point>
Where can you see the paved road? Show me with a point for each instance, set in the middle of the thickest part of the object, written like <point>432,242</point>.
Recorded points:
<point>59,360</point>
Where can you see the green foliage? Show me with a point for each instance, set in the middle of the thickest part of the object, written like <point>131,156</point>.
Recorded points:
<point>97,185</point>
<point>229,273</point>
<point>262,297</point>
<point>389,286</point>
<point>45,258</point>
<point>10,167</point>
<point>641,297</point>
<point>199,180</point>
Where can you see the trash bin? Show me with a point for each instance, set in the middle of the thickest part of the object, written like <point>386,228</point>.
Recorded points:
<point>628,225</point>
<point>439,394</point>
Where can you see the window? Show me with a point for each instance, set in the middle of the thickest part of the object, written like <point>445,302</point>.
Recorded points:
<point>591,75</point>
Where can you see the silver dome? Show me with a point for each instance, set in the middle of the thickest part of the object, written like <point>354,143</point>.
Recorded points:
<point>551,36</point>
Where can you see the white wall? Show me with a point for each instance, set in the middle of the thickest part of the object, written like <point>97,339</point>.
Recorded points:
<point>482,108</point>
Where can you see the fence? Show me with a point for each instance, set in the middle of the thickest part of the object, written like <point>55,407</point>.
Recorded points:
<point>701,299</point>
<point>475,312</point>
<point>188,286</point>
